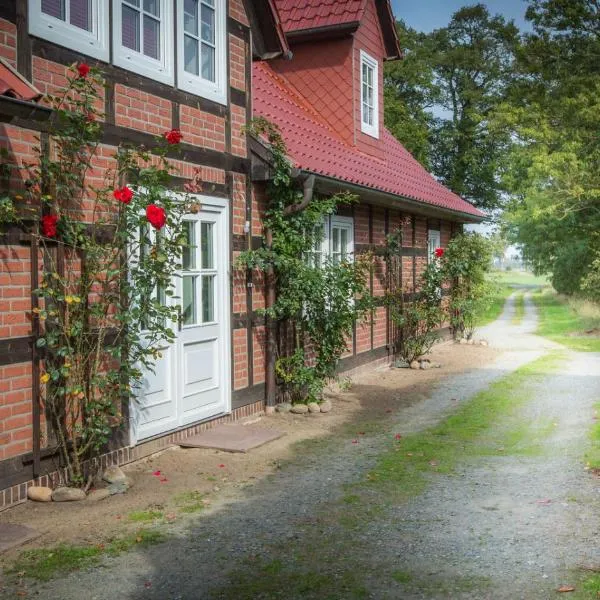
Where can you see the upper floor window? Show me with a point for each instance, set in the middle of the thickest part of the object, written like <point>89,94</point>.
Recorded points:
<point>369,95</point>
<point>201,47</point>
<point>78,24</point>
<point>143,37</point>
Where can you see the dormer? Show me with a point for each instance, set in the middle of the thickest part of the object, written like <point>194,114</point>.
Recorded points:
<point>338,49</point>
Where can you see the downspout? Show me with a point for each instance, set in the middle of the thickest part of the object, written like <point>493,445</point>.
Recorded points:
<point>272,325</point>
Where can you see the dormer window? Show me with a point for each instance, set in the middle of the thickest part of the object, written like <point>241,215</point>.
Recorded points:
<point>369,95</point>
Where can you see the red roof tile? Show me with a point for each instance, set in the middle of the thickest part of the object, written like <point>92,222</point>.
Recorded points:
<point>311,14</point>
<point>14,85</point>
<point>315,147</point>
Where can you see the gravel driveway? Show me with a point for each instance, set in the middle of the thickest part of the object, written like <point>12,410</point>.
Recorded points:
<point>497,527</point>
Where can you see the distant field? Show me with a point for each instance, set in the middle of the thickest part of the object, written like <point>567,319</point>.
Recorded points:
<point>520,278</point>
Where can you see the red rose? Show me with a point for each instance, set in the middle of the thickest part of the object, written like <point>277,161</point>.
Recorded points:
<point>157,217</point>
<point>174,136</point>
<point>123,194</point>
<point>439,252</point>
<point>49,223</point>
<point>83,70</point>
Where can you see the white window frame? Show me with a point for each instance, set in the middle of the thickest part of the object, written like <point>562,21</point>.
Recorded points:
<point>326,243</point>
<point>434,241</point>
<point>365,126</point>
<point>94,43</point>
<point>195,84</point>
<point>160,70</point>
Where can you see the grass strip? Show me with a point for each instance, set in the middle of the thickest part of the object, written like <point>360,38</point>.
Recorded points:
<point>494,309</point>
<point>567,321</point>
<point>486,425</point>
<point>593,454</point>
<point>519,309</point>
<point>46,563</point>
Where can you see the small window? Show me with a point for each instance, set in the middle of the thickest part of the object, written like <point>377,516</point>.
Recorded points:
<point>81,25</point>
<point>201,48</point>
<point>334,240</point>
<point>434,242</point>
<point>369,95</point>
<point>143,37</point>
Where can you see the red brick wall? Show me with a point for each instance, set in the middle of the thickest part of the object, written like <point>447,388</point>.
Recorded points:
<point>237,53</point>
<point>240,359</point>
<point>8,42</point>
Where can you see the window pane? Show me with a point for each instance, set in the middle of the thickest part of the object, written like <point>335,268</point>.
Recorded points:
<point>370,76</point>
<point>190,16</point>
<point>189,300</point>
<point>208,63</point>
<point>151,37</point>
<point>131,28</point>
<point>190,49</point>
<point>364,73</point>
<point>209,2</point>
<point>208,298</point>
<point>335,232</point>
<point>81,14</point>
<point>152,7</point>
<point>344,242</point>
<point>189,248</point>
<point>135,3</point>
<point>208,24</point>
<point>54,8</point>
<point>206,237</point>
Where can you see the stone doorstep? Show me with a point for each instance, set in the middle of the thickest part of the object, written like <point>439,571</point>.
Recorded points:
<point>12,535</point>
<point>232,438</point>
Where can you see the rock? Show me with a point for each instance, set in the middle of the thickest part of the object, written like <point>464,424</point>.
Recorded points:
<point>425,364</point>
<point>326,406</point>
<point>401,364</point>
<point>68,494</point>
<point>299,409</point>
<point>415,365</point>
<point>463,341</point>
<point>113,474</point>
<point>436,365</point>
<point>39,493</point>
<point>97,495</point>
<point>119,487</point>
<point>313,407</point>
<point>283,407</point>
<point>471,342</point>
<point>483,343</point>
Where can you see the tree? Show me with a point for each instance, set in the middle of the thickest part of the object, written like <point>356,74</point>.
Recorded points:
<point>452,82</point>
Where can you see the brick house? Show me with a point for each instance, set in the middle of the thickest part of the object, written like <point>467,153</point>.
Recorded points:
<point>201,66</point>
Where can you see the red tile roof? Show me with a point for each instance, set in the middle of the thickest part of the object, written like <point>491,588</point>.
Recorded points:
<point>14,85</point>
<point>315,147</point>
<point>311,14</point>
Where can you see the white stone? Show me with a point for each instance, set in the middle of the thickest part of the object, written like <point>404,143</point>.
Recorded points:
<point>313,407</point>
<point>299,409</point>
<point>415,365</point>
<point>97,495</point>
<point>326,406</point>
<point>68,494</point>
<point>283,407</point>
<point>39,493</point>
<point>113,474</point>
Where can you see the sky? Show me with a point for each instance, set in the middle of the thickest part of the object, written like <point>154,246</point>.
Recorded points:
<point>426,15</point>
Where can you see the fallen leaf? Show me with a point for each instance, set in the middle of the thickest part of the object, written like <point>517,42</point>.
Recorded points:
<point>138,539</point>
<point>355,441</point>
<point>148,584</point>
<point>433,463</point>
<point>171,517</point>
<point>389,410</point>
<point>397,437</point>
<point>221,466</point>
<point>360,432</point>
<point>546,501</point>
<point>156,473</point>
<point>21,593</point>
<point>566,588</point>
<point>163,480</point>
<point>409,454</point>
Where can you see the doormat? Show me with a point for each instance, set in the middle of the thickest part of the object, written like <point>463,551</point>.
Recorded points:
<point>14,535</point>
<point>232,438</point>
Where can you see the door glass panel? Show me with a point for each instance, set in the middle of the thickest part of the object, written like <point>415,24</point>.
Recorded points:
<point>208,298</point>
<point>189,246</point>
<point>207,243</point>
<point>189,300</point>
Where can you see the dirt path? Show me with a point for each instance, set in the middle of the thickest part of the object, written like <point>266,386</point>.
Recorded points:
<point>499,526</point>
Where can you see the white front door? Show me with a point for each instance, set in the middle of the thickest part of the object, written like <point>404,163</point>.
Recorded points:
<point>191,379</point>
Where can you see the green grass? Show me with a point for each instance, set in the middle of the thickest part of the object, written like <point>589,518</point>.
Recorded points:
<point>519,309</point>
<point>47,563</point>
<point>517,278</point>
<point>145,516</point>
<point>588,589</point>
<point>190,502</point>
<point>592,456</point>
<point>494,309</point>
<point>566,321</point>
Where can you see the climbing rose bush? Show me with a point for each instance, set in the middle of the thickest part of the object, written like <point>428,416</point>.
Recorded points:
<point>106,272</point>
